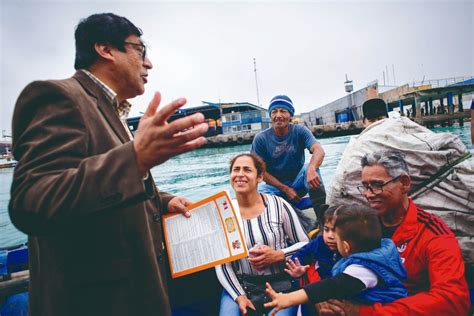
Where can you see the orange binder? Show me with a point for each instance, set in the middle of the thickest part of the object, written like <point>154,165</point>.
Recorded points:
<point>211,236</point>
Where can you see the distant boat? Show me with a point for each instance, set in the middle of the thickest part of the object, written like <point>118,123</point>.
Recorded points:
<point>7,163</point>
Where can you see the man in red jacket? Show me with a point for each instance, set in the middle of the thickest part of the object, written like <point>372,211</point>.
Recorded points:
<point>428,248</point>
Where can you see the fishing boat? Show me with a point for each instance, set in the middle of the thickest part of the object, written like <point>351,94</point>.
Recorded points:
<point>14,280</point>
<point>7,160</point>
<point>6,163</point>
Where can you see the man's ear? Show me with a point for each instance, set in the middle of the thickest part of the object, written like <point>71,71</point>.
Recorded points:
<point>405,180</point>
<point>365,122</point>
<point>104,51</point>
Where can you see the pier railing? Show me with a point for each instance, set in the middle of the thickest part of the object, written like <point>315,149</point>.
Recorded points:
<point>440,83</point>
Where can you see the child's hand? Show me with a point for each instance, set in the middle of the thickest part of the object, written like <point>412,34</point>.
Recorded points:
<point>279,300</point>
<point>295,269</point>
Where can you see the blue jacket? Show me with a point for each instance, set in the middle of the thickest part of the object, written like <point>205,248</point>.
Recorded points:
<point>386,263</point>
<point>317,250</point>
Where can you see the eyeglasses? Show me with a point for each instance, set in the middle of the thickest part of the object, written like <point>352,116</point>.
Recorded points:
<point>375,188</point>
<point>141,49</point>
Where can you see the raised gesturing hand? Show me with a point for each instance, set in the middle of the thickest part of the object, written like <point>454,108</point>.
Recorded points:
<point>156,141</point>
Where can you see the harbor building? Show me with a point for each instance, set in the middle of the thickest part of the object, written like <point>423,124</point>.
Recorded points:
<point>343,110</point>
<point>5,147</point>
<point>223,118</point>
<point>245,118</point>
<point>429,102</point>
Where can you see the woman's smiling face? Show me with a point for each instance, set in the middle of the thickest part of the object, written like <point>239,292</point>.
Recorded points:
<point>244,177</point>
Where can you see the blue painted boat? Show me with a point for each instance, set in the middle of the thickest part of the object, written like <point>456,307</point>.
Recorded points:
<point>14,277</point>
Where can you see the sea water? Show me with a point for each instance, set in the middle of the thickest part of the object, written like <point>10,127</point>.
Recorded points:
<point>198,174</point>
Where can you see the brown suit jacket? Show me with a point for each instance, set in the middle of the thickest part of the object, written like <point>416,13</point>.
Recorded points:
<point>94,224</point>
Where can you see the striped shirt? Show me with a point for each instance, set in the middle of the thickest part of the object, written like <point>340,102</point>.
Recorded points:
<point>277,227</point>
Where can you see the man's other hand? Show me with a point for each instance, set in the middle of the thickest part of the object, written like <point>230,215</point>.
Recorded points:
<point>337,308</point>
<point>291,194</point>
<point>313,178</point>
<point>178,204</point>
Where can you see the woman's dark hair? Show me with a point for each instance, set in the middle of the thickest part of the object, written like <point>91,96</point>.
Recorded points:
<point>257,161</point>
<point>360,226</point>
<point>102,28</point>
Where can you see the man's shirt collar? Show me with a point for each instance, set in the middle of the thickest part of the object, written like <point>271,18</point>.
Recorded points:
<point>123,108</point>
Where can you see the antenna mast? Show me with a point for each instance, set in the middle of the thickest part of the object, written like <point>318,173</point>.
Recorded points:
<point>256,81</point>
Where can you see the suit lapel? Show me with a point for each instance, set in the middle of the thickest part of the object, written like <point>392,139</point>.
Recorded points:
<point>105,106</point>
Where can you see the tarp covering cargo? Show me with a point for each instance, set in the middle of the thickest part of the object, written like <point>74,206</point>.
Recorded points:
<point>441,169</point>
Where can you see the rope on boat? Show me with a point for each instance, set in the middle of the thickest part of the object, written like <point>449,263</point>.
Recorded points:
<point>437,177</point>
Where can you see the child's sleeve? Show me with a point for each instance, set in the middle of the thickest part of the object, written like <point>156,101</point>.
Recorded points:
<point>338,287</point>
<point>308,253</point>
<point>367,276</point>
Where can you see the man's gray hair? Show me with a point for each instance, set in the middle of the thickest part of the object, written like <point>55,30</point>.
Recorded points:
<point>392,160</point>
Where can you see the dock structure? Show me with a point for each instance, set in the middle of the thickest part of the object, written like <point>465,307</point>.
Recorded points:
<point>320,131</point>
<point>435,98</point>
<point>429,103</point>
<point>431,121</point>
<point>433,102</point>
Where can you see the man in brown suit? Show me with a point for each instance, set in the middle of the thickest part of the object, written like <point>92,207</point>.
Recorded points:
<point>82,189</point>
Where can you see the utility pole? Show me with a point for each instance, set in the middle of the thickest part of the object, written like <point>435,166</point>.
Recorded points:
<point>256,81</point>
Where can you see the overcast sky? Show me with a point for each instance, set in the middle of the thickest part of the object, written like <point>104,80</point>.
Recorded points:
<point>204,50</point>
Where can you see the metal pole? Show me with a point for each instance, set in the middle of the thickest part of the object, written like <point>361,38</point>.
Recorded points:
<point>393,72</point>
<point>256,81</point>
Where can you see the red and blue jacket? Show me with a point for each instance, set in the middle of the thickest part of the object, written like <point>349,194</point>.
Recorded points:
<point>435,269</point>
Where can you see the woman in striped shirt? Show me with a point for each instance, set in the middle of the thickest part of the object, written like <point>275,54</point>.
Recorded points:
<point>269,225</point>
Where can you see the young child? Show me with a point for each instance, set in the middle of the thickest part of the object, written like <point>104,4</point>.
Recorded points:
<point>315,260</point>
<point>370,270</point>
